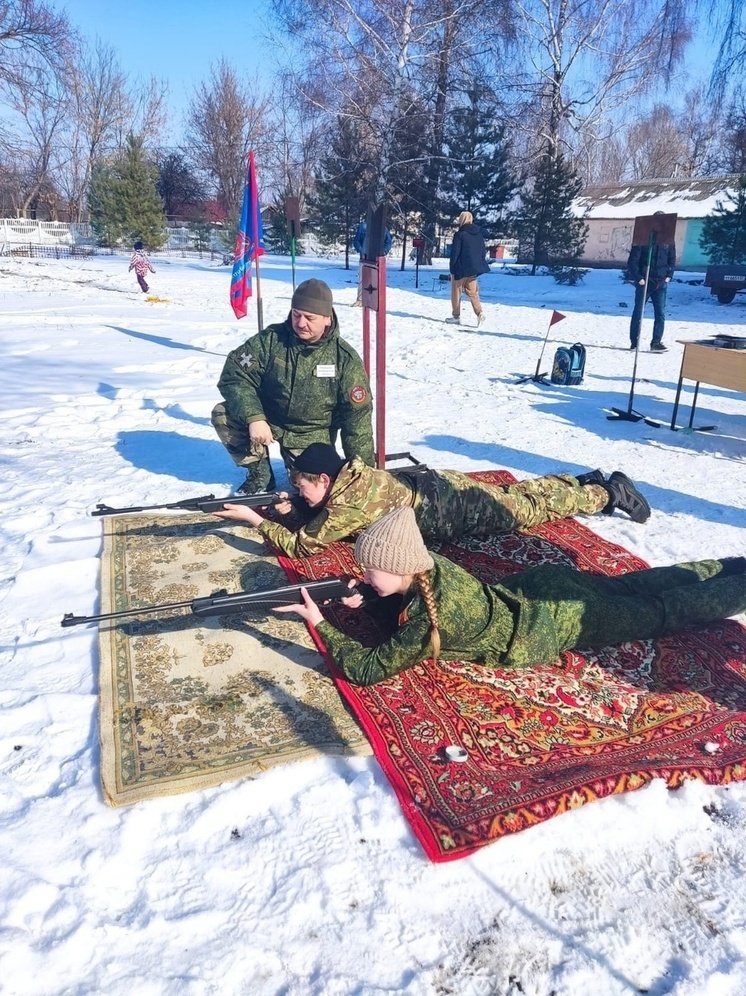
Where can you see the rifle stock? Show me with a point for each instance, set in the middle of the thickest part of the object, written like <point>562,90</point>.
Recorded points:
<point>205,503</point>
<point>221,603</point>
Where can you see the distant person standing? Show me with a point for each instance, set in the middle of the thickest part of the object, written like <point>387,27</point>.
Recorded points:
<point>662,265</point>
<point>141,265</point>
<point>466,264</point>
<point>358,244</point>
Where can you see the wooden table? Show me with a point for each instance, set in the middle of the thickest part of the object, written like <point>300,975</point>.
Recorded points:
<point>705,363</point>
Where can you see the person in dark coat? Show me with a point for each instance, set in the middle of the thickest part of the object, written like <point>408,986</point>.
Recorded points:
<point>358,244</point>
<point>662,265</point>
<point>467,262</point>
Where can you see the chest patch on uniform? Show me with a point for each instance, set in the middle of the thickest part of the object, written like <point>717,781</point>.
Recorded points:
<point>358,394</point>
<point>326,370</point>
<point>245,360</point>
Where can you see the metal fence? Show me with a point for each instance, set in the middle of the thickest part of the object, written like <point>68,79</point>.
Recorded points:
<point>27,237</point>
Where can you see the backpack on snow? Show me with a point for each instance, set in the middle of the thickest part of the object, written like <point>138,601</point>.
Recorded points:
<point>569,365</point>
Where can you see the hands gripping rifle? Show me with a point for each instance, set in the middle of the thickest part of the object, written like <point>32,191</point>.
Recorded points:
<point>207,503</point>
<point>221,603</point>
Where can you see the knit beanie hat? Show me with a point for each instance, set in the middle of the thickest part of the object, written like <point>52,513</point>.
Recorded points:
<point>394,544</point>
<point>319,458</point>
<point>313,296</point>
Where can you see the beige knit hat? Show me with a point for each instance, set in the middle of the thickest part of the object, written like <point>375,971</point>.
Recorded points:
<point>394,544</point>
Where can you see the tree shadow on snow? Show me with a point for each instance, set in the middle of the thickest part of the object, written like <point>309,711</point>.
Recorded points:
<point>179,456</point>
<point>159,340</point>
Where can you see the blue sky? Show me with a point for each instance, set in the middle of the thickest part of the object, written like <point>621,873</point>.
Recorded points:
<point>175,40</point>
<point>178,40</point>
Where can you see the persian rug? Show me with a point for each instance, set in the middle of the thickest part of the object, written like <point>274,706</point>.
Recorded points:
<point>543,740</point>
<point>187,702</point>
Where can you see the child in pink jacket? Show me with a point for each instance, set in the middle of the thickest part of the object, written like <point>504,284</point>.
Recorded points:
<point>140,264</point>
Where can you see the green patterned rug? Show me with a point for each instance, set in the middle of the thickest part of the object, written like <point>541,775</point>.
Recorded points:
<point>187,703</point>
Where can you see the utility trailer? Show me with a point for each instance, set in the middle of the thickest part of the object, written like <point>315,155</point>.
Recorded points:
<point>725,281</point>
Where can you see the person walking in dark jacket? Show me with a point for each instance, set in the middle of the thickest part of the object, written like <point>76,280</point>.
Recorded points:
<point>467,262</point>
<point>662,265</point>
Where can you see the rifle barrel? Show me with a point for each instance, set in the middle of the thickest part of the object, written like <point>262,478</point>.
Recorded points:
<point>220,602</point>
<point>71,620</point>
<point>205,503</point>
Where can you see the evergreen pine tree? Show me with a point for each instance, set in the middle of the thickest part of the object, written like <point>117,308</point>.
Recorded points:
<point>406,177</point>
<point>341,195</point>
<point>477,177</point>
<point>549,233</point>
<point>123,201</point>
<point>723,237</point>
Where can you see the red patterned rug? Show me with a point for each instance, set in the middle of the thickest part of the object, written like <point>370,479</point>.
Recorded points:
<point>546,739</point>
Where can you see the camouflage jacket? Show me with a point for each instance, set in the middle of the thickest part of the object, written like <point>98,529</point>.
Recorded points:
<point>358,497</point>
<point>307,393</point>
<point>486,624</point>
<point>447,505</point>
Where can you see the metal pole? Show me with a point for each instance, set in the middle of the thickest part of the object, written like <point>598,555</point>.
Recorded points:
<point>259,308</point>
<point>292,249</point>
<point>381,366</point>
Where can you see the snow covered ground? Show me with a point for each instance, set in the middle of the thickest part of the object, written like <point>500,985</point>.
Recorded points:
<point>323,889</point>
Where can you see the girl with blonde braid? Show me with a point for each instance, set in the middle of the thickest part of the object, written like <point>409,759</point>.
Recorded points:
<point>443,612</point>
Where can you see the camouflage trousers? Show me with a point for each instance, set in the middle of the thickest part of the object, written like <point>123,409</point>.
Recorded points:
<point>450,504</point>
<point>569,609</point>
<point>254,457</point>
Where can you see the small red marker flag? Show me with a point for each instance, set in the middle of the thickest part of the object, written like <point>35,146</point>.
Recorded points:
<point>557,316</point>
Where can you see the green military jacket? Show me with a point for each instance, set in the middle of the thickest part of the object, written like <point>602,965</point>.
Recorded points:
<point>447,504</point>
<point>478,622</point>
<point>306,392</point>
<point>359,496</point>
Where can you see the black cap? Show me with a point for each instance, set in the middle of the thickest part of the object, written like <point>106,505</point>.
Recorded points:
<point>138,245</point>
<point>319,458</point>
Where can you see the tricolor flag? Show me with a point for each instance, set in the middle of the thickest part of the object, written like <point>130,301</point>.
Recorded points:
<point>249,243</point>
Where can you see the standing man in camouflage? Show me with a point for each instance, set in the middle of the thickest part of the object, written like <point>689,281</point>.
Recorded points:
<point>346,496</point>
<point>296,383</point>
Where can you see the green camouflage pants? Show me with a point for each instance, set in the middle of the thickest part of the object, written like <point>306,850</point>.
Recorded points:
<point>254,457</point>
<point>574,609</point>
<point>452,504</point>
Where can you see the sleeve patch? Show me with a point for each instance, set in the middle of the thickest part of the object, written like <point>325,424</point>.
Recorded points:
<point>358,394</point>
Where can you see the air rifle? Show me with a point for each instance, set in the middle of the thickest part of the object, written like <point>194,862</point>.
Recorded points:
<point>207,503</point>
<point>221,603</point>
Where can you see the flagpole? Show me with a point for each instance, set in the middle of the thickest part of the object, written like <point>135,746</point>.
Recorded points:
<point>255,239</point>
<point>259,309</point>
<point>556,316</point>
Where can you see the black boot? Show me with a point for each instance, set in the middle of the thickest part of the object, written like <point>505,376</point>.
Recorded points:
<point>732,566</point>
<point>624,495</point>
<point>592,477</point>
<point>260,478</point>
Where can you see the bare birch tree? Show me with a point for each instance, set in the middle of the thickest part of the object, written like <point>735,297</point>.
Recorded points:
<point>378,61</point>
<point>587,57</point>
<point>41,115</point>
<point>299,139</point>
<point>35,41</point>
<point>99,114</point>
<point>227,117</point>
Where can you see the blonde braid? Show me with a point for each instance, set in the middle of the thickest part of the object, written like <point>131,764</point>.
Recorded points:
<point>428,597</point>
